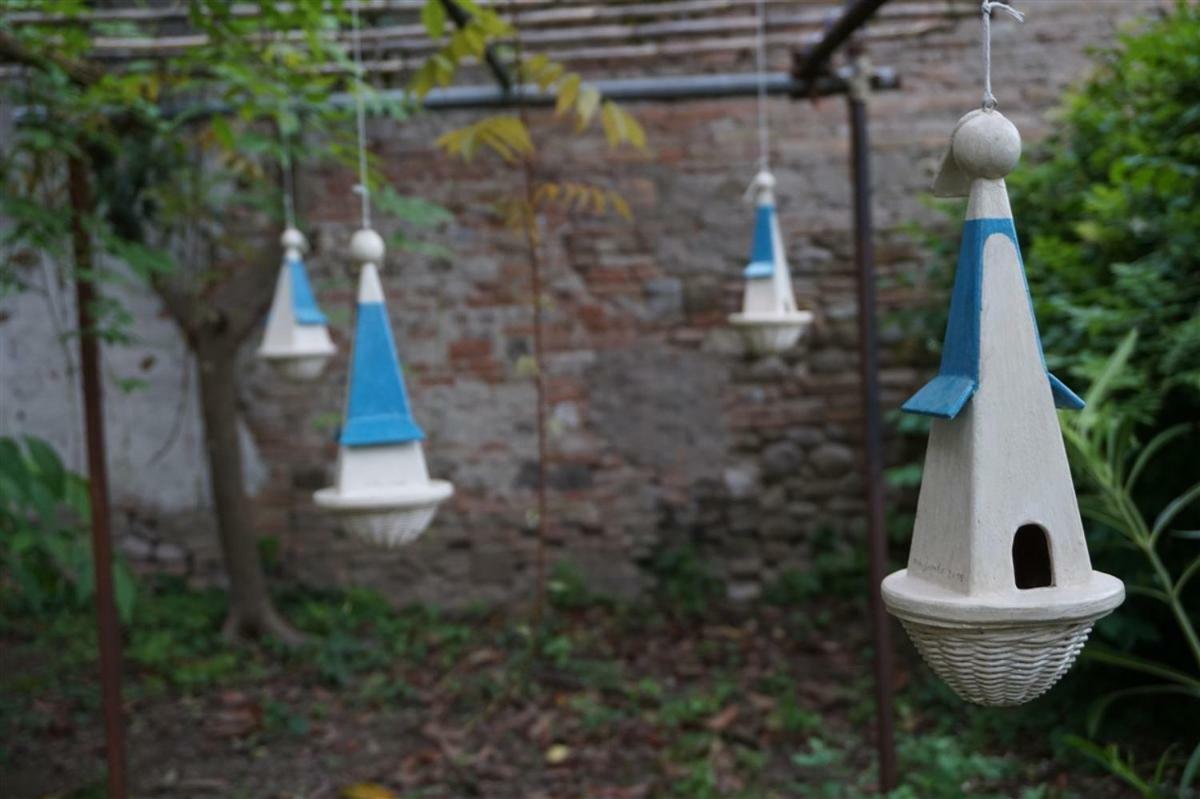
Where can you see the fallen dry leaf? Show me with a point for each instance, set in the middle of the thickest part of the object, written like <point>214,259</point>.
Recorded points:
<point>723,719</point>
<point>367,790</point>
<point>557,754</point>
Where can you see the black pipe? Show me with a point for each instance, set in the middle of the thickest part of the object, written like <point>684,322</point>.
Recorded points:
<point>864,256</point>
<point>671,89</point>
<point>683,87</point>
<point>810,64</point>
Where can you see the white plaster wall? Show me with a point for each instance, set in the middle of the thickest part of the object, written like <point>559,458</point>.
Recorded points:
<point>154,434</point>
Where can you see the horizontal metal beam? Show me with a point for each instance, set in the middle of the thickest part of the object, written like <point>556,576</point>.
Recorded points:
<point>626,90</point>
<point>630,90</point>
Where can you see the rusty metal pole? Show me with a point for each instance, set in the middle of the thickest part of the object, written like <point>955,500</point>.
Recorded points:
<point>864,256</point>
<point>79,189</point>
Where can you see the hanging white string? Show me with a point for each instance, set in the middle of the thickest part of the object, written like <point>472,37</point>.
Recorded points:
<point>363,187</point>
<point>289,189</point>
<point>989,99</point>
<point>760,55</point>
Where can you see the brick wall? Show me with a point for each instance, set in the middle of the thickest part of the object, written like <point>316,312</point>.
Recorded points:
<point>663,432</point>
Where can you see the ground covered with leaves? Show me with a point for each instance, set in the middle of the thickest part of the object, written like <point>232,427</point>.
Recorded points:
<point>674,697</point>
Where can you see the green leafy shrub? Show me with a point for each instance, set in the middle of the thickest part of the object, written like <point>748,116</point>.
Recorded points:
<point>684,581</point>
<point>44,542</point>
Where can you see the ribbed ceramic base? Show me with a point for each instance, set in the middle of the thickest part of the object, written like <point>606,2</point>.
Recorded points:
<point>769,333</point>
<point>1000,665</point>
<point>390,528</point>
<point>392,517</point>
<point>300,368</point>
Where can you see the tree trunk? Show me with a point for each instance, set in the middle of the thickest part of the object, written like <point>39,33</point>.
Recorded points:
<point>250,610</point>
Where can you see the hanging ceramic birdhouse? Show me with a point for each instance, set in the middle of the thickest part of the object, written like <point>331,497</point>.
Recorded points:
<point>999,595</point>
<point>297,341</point>
<point>769,321</point>
<point>383,490</point>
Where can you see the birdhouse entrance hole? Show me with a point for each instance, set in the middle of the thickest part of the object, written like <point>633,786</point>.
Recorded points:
<point>1031,558</point>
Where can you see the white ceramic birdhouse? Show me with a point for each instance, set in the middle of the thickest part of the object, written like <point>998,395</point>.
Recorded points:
<point>383,490</point>
<point>999,595</point>
<point>296,341</point>
<point>769,320</point>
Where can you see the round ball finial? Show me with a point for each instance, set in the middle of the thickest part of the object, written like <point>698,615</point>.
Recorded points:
<point>764,180</point>
<point>293,239</point>
<point>987,145</point>
<point>366,247</point>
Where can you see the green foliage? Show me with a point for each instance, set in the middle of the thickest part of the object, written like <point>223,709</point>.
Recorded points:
<point>199,133</point>
<point>932,766</point>
<point>684,580</point>
<point>835,570</point>
<point>1110,460</point>
<point>1106,454</point>
<point>567,589</point>
<point>506,135</point>
<point>940,767</point>
<point>44,541</point>
<point>1154,785</point>
<point>1109,209</point>
<point>175,641</point>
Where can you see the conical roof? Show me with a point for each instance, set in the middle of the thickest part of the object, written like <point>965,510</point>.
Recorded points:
<point>378,411</point>
<point>958,376</point>
<point>762,248</point>
<point>304,302</point>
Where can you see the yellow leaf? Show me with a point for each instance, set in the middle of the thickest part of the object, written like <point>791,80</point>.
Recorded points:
<point>526,366</point>
<point>367,790</point>
<point>557,754</point>
<point>568,90</point>
<point>585,108</point>
<point>619,205</point>
<point>610,119</point>
<point>634,133</point>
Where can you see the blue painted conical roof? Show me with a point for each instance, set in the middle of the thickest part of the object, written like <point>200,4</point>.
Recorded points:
<point>304,302</point>
<point>378,411</point>
<point>762,249</point>
<point>958,377</point>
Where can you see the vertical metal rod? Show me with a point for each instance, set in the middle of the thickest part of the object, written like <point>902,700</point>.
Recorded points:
<point>864,256</point>
<point>79,190</point>
<point>532,245</point>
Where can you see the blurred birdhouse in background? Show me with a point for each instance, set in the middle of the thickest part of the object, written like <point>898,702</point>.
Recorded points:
<point>769,320</point>
<point>296,341</point>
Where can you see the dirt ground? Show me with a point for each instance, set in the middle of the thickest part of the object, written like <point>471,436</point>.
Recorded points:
<point>611,704</point>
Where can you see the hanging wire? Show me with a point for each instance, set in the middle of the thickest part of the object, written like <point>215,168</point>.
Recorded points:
<point>986,7</point>
<point>289,189</point>
<point>760,55</point>
<point>363,187</point>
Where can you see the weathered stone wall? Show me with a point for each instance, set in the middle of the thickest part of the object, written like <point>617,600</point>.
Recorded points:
<point>662,432</point>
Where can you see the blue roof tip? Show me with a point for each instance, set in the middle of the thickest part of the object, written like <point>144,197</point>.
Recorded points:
<point>304,302</point>
<point>378,411</point>
<point>762,248</point>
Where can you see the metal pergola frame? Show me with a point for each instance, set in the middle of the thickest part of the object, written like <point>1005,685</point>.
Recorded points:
<point>811,76</point>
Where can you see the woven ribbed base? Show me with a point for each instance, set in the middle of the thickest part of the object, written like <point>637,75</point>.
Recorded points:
<point>1000,665</point>
<point>769,333</point>
<point>392,527</point>
<point>301,368</point>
